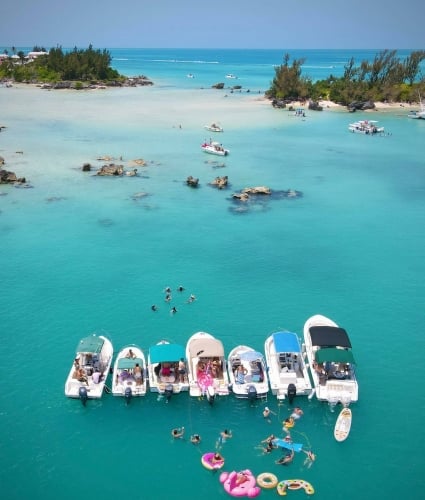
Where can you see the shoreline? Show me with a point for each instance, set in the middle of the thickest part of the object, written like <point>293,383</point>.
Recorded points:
<point>250,97</point>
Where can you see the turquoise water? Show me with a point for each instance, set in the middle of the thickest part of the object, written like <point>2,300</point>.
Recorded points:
<point>82,253</point>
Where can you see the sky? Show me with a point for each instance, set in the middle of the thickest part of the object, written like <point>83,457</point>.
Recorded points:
<point>251,24</point>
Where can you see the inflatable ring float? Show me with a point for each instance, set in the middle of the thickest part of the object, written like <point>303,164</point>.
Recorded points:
<point>207,462</point>
<point>294,484</point>
<point>267,480</point>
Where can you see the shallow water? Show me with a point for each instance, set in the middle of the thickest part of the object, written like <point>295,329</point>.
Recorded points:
<point>83,253</point>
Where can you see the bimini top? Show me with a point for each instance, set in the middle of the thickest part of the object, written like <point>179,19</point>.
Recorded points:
<point>251,355</point>
<point>91,344</point>
<point>206,348</point>
<point>329,336</point>
<point>129,363</point>
<point>286,342</point>
<point>166,352</point>
<point>334,355</point>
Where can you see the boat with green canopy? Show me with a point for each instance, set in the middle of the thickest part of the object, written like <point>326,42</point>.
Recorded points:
<point>332,364</point>
<point>90,369</point>
<point>129,376</point>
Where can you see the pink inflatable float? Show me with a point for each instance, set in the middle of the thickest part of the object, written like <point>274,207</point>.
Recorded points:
<point>240,484</point>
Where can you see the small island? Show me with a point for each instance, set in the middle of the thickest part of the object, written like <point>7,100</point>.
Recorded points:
<point>55,69</point>
<point>386,79</point>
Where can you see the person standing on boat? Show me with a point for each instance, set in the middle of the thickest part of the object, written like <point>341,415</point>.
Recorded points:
<point>240,374</point>
<point>182,370</point>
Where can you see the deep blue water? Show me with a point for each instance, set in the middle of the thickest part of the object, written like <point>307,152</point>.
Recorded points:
<point>83,254</point>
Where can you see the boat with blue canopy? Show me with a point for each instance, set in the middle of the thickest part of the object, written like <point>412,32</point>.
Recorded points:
<point>167,368</point>
<point>287,370</point>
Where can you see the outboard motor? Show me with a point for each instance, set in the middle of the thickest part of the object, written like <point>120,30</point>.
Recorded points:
<point>252,393</point>
<point>292,392</point>
<point>210,394</point>
<point>168,391</point>
<point>82,394</point>
<point>128,394</point>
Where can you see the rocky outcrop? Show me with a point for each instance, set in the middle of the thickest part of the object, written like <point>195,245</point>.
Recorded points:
<point>192,181</point>
<point>111,169</point>
<point>220,182</point>
<point>86,167</point>
<point>7,177</point>
<point>361,105</point>
<point>218,86</point>
<point>245,194</point>
<point>315,106</point>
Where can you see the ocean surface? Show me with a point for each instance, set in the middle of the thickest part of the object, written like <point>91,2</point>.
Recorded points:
<point>82,254</point>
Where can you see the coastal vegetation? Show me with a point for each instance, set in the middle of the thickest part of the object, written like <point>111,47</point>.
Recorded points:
<point>386,78</point>
<point>77,65</point>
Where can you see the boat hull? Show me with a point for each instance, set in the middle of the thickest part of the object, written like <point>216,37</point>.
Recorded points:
<point>170,354</point>
<point>255,383</point>
<point>123,377</point>
<point>286,365</point>
<point>100,355</point>
<point>330,384</point>
<point>203,352</point>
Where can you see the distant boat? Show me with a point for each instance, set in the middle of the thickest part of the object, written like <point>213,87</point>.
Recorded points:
<point>418,114</point>
<point>368,127</point>
<point>230,75</point>
<point>214,127</point>
<point>190,75</point>
<point>214,148</point>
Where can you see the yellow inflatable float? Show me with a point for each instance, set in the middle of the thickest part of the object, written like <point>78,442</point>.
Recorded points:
<point>294,484</point>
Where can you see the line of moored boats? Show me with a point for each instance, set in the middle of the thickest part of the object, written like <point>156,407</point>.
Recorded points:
<point>322,365</point>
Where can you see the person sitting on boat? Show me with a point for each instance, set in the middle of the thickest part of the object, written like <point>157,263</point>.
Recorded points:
<point>166,370</point>
<point>130,354</point>
<point>182,369</point>
<point>97,375</point>
<point>81,376</point>
<point>240,373</point>
<point>138,375</point>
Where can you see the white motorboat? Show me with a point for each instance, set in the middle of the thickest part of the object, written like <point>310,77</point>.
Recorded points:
<point>368,127</point>
<point>214,148</point>
<point>167,369</point>
<point>129,377</point>
<point>288,373</point>
<point>190,75</point>
<point>418,114</point>
<point>214,127</point>
<point>231,76</point>
<point>207,372</point>
<point>90,368</point>
<point>247,373</point>
<point>331,359</point>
